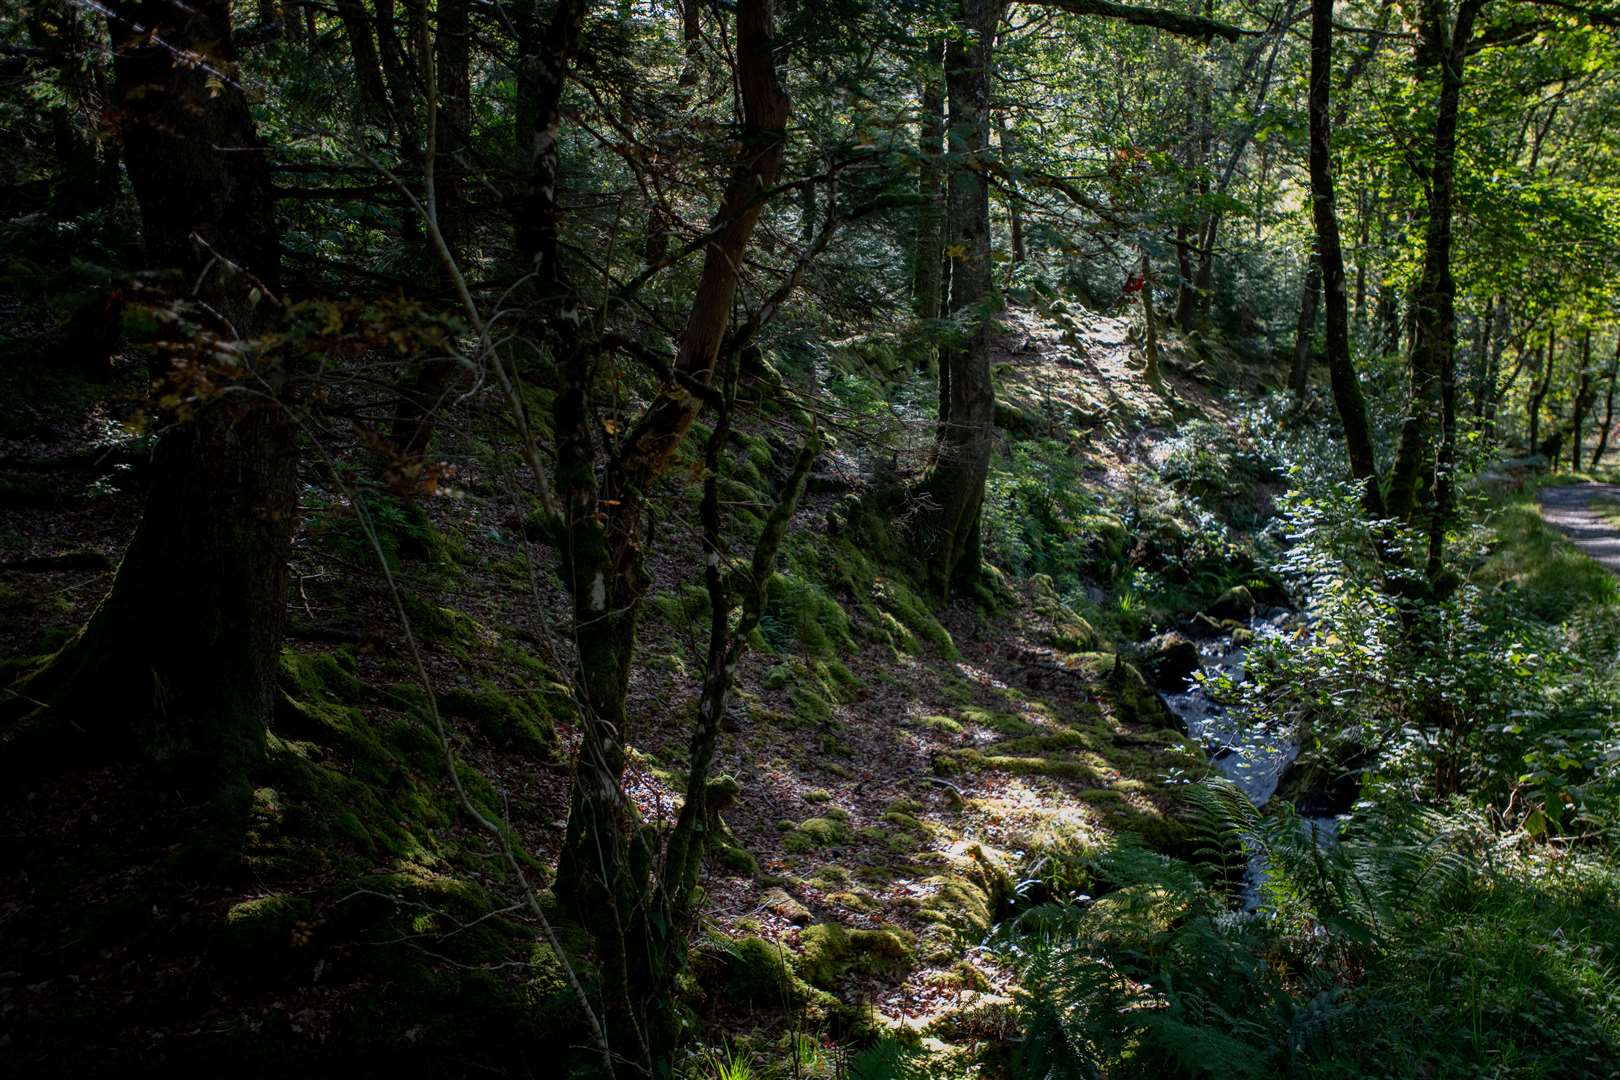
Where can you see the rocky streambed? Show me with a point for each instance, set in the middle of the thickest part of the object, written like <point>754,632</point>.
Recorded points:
<point>1252,754</point>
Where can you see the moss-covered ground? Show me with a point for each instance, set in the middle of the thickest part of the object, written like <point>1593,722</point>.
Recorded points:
<point>905,772</point>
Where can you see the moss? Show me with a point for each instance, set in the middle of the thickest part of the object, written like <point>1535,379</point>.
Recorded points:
<point>942,724</point>
<point>815,688</point>
<point>506,720</point>
<point>1109,536</point>
<point>1004,723</point>
<point>684,609</point>
<point>830,954</point>
<point>265,929</point>
<point>814,833</point>
<point>779,903</point>
<point>800,616</point>
<point>435,624</point>
<point>1134,701</point>
<point>748,971</point>
<point>900,602</point>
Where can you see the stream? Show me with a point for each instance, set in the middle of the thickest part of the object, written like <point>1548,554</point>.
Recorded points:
<point>1251,754</point>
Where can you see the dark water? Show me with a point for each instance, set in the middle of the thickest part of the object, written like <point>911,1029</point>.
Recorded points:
<point>1251,754</point>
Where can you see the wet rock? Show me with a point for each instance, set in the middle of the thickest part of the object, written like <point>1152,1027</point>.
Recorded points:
<point>1168,661</point>
<point>1236,603</point>
<point>1201,627</point>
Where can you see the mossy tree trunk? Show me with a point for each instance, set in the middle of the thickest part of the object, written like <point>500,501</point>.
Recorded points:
<point>1151,372</point>
<point>180,659</point>
<point>604,476</point>
<point>953,488</point>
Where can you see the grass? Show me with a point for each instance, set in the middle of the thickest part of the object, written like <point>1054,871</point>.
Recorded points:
<point>1527,554</point>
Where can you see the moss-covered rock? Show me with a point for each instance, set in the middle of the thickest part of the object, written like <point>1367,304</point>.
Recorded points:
<point>1236,604</point>
<point>1134,701</point>
<point>506,720</point>
<point>815,833</point>
<point>829,954</point>
<point>1168,661</point>
<point>264,929</point>
<point>748,971</point>
<point>1065,629</point>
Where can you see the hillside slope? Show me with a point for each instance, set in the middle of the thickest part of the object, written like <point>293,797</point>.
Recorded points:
<point>897,778</point>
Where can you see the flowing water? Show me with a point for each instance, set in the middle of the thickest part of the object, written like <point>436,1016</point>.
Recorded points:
<point>1250,753</point>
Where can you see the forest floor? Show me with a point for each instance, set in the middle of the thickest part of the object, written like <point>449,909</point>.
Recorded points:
<point>1586,513</point>
<point>901,770</point>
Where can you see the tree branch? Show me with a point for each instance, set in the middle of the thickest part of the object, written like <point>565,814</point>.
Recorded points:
<point>1176,22</point>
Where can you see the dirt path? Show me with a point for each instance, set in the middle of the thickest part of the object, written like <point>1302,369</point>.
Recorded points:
<point>1575,511</point>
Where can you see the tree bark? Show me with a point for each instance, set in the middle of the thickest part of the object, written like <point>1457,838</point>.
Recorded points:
<point>1299,378</point>
<point>953,488</point>
<point>605,872</point>
<point>1150,330</point>
<point>357,27</point>
<point>1346,384</point>
<point>929,255</point>
<point>181,657</point>
<point>1608,408</point>
<point>1583,394</point>
<point>1543,384</point>
<point>1434,316</point>
<point>431,382</point>
<point>1015,209</point>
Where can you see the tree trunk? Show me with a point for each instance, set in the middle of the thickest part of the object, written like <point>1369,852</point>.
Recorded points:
<point>605,872</point>
<point>1543,384</point>
<point>1186,308</point>
<point>1487,361</point>
<point>180,659</point>
<point>432,381</point>
<point>357,27</point>
<point>926,289</point>
<point>1299,379</point>
<point>954,484</point>
<point>1434,315</point>
<point>1346,384</point>
<point>1015,209</point>
<point>1150,330</point>
<point>1583,395</point>
<point>1608,408</point>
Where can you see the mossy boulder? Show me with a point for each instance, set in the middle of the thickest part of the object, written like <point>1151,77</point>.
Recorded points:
<point>1168,661</point>
<point>830,954</point>
<point>779,903</point>
<point>507,720</point>
<point>1201,628</point>
<point>1066,629</point>
<point>1236,604</point>
<point>748,971</point>
<point>266,928</point>
<point>815,833</point>
<point>1135,702</point>
<point>1109,537</point>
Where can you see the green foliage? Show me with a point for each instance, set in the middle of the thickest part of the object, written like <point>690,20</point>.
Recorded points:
<point>1337,977</point>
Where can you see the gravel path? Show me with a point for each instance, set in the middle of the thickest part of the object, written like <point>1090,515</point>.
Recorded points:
<point>1573,511</point>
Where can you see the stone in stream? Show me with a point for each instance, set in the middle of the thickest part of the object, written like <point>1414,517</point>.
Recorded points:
<point>1235,604</point>
<point>1201,627</point>
<point>1168,661</point>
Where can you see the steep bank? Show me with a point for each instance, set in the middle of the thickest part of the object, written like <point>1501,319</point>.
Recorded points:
<point>901,776</point>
